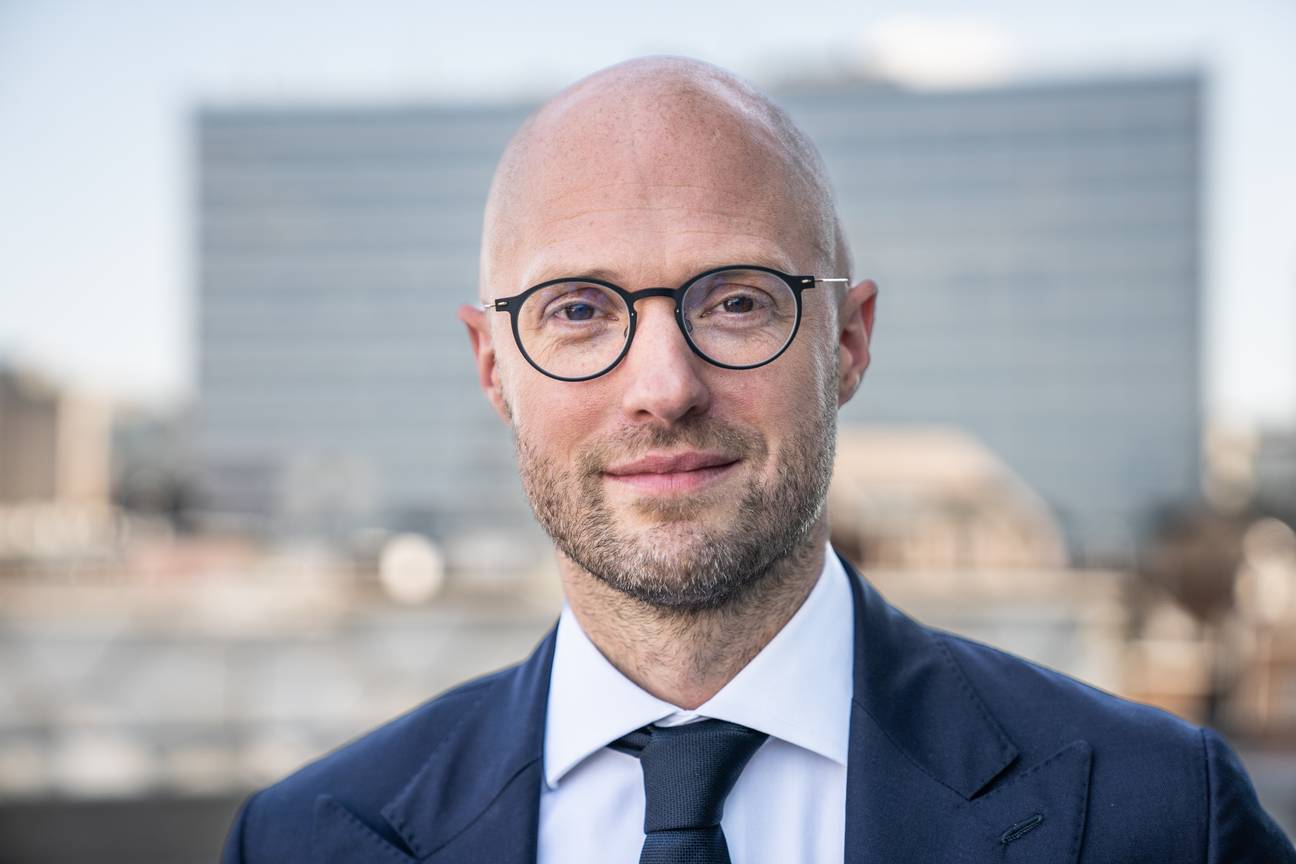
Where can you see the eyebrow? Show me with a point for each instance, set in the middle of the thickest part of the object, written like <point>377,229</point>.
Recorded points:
<point>609,275</point>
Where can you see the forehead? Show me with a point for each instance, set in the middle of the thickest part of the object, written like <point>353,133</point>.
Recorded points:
<point>627,184</point>
<point>628,232</point>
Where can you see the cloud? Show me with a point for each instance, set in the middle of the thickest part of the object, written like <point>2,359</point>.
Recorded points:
<point>930,51</point>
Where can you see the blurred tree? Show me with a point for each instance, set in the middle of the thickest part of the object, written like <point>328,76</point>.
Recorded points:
<point>1194,553</point>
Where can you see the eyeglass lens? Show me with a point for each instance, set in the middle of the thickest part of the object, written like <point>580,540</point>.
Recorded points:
<point>734,317</point>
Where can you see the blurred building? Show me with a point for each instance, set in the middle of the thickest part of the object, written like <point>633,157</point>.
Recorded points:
<point>1252,468</point>
<point>54,473</point>
<point>212,665</point>
<point>153,464</point>
<point>1275,471</point>
<point>1216,643</point>
<point>1264,695</point>
<point>336,384</point>
<point>1037,247</point>
<point>913,497</point>
<point>54,444</point>
<point>949,533</point>
<point>1038,252</point>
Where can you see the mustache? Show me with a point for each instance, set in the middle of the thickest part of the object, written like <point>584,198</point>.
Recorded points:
<point>697,433</point>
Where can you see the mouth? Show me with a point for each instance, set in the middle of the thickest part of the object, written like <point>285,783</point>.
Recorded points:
<point>661,473</point>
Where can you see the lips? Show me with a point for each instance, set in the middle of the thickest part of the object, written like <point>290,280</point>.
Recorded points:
<point>671,464</point>
<point>671,473</point>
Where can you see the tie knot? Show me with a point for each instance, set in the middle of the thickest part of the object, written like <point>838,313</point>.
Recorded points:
<point>689,769</point>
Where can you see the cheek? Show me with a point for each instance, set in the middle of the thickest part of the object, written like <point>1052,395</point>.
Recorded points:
<point>554,416</point>
<point>767,401</point>
<point>822,342</point>
<point>784,404</point>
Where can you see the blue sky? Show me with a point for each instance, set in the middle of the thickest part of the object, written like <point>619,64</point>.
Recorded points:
<point>95,249</point>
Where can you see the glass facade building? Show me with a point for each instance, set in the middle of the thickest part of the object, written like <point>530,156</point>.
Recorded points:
<point>336,385</point>
<point>1038,253</point>
<point>1037,247</point>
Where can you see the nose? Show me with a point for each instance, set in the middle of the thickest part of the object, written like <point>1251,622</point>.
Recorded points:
<point>661,375</point>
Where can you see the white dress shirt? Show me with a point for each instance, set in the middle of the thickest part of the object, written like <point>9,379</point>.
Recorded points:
<point>789,804</point>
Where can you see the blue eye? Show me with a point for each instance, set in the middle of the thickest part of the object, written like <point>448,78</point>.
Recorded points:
<point>579,304</point>
<point>578,311</point>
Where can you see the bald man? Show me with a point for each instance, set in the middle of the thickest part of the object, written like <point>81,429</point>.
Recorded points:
<point>668,324</point>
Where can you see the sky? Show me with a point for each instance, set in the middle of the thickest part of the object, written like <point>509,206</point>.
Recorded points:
<point>96,251</point>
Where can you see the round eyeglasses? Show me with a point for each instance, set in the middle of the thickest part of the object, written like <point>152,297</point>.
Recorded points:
<point>740,316</point>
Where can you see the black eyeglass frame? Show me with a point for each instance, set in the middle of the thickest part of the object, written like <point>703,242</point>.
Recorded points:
<point>512,304</point>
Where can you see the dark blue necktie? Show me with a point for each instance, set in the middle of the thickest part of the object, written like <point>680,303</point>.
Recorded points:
<point>688,771</point>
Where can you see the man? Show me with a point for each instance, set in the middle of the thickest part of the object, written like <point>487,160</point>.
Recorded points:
<point>668,327</point>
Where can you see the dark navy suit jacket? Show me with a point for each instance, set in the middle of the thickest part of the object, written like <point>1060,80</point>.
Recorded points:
<point>958,754</point>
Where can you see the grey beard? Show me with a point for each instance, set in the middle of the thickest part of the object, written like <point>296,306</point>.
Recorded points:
<point>697,566</point>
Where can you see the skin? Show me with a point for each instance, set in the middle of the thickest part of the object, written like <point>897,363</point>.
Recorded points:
<point>646,174</point>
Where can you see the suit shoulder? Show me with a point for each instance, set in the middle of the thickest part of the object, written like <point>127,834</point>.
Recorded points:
<point>362,774</point>
<point>1145,761</point>
<point>1039,705</point>
<point>397,741</point>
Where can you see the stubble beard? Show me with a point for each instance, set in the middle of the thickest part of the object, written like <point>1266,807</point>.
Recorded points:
<point>684,562</point>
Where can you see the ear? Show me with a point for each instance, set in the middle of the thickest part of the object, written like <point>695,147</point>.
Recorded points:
<point>474,318</point>
<point>855,318</point>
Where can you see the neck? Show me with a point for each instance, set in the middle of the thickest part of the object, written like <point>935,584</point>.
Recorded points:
<point>684,657</point>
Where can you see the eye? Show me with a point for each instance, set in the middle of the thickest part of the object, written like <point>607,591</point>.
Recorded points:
<point>738,304</point>
<point>581,304</point>
<point>577,311</point>
<point>737,300</point>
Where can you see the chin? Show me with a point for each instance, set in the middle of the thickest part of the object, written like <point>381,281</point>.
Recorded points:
<point>664,512</point>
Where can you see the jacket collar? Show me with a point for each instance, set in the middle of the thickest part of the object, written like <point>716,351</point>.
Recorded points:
<point>491,757</point>
<point>476,797</point>
<point>910,688</point>
<point>932,776</point>
<point>929,775</point>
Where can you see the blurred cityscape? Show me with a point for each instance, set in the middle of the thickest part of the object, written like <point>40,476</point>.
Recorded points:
<point>196,599</point>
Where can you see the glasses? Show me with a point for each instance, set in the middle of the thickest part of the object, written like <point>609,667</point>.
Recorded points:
<point>740,316</point>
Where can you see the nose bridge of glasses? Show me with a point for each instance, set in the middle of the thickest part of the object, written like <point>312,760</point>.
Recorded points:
<point>633,297</point>
<point>659,328</point>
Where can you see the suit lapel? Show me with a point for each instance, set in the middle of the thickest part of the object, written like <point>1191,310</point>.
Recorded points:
<point>931,775</point>
<point>475,798</point>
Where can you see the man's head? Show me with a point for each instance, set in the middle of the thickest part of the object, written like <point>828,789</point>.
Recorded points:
<point>675,481</point>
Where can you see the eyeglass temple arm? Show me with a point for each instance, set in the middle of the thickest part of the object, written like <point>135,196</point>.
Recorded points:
<point>816,279</point>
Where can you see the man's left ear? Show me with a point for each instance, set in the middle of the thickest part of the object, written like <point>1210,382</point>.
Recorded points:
<point>855,322</point>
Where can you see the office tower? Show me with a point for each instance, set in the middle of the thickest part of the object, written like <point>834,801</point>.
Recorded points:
<point>1037,247</point>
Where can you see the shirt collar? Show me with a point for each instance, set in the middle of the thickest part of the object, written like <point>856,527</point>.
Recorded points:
<point>798,688</point>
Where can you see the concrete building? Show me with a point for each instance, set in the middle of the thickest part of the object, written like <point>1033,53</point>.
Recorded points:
<point>28,438</point>
<point>53,442</point>
<point>1037,246</point>
<point>54,471</point>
